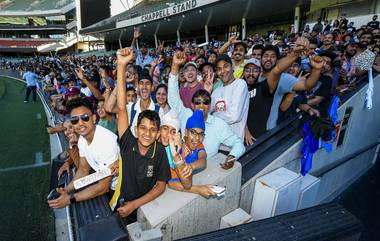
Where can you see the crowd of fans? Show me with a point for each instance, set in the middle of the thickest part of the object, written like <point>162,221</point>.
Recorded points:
<point>154,116</point>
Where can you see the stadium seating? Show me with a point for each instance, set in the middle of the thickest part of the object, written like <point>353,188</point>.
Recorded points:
<point>23,43</point>
<point>30,5</point>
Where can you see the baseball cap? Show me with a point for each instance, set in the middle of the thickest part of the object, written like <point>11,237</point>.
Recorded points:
<point>253,61</point>
<point>190,64</point>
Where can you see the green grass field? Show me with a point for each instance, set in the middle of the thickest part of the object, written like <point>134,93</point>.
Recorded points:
<point>24,214</point>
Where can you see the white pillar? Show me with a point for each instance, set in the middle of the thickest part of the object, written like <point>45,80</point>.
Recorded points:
<point>297,16</point>
<point>178,36</point>
<point>243,28</point>
<point>206,33</point>
<point>155,40</point>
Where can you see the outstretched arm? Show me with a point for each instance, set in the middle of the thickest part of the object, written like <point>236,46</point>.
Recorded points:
<point>283,64</point>
<point>317,63</point>
<point>123,57</point>
<point>231,40</point>
<point>174,99</point>
<point>90,85</point>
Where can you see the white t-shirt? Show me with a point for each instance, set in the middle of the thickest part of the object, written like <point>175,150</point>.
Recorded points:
<point>137,108</point>
<point>102,152</point>
<point>231,103</point>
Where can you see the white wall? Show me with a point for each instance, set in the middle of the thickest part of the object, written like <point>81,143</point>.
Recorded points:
<point>119,6</point>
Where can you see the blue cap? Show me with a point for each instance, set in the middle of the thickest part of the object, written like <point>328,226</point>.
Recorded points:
<point>196,120</point>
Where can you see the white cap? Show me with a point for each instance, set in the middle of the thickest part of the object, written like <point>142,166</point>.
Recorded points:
<point>171,119</point>
<point>253,61</point>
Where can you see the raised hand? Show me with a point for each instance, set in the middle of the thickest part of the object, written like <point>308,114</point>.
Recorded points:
<point>317,62</point>
<point>179,58</point>
<point>157,61</point>
<point>136,33</point>
<point>302,77</point>
<point>301,45</point>
<point>175,143</point>
<point>124,56</point>
<point>209,81</point>
<point>79,73</point>
<point>160,46</point>
<point>102,73</point>
<point>233,39</point>
<point>129,77</point>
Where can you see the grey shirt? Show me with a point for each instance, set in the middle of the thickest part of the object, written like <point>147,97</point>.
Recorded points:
<point>285,85</point>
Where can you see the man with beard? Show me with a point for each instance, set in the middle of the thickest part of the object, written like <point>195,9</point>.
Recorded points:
<point>327,44</point>
<point>281,83</point>
<point>364,41</point>
<point>260,102</point>
<point>238,53</point>
<point>320,96</point>
<point>230,101</point>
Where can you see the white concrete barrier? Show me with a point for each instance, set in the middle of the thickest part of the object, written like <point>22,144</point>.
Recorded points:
<point>181,214</point>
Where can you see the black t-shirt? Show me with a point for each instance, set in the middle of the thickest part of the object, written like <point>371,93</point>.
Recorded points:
<point>323,89</point>
<point>260,103</point>
<point>140,173</point>
<point>373,24</point>
<point>300,98</point>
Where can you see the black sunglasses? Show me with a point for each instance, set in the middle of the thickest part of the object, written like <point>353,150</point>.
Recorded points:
<point>202,101</point>
<point>75,119</point>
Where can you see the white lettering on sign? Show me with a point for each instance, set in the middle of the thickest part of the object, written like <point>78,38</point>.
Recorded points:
<point>163,13</point>
<point>166,12</point>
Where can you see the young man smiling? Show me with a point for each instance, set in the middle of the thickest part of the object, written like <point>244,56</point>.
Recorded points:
<point>192,85</point>
<point>217,131</point>
<point>144,168</point>
<point>230,102</point>
<point>98,149</point>
<point>238,54</point>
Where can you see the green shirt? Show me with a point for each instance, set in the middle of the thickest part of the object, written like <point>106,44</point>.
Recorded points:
<point>109,125</point>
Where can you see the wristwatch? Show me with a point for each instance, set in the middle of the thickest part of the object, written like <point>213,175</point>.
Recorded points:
<point>72,198</point>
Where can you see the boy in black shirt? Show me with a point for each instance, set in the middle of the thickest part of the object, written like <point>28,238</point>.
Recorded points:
<point>144,169</point>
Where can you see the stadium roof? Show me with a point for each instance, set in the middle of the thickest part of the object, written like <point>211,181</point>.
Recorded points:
<point>193,15</point>
<point>35,7</point>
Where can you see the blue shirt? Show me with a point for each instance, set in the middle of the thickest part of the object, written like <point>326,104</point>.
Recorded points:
<point>30,78</point>
<point>285,85</point>
<point>217,130</point>
<point>142,60</point>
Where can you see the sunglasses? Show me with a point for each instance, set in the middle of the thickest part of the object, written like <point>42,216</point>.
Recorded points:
<point>75,119</point>
<point>202,101</point>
